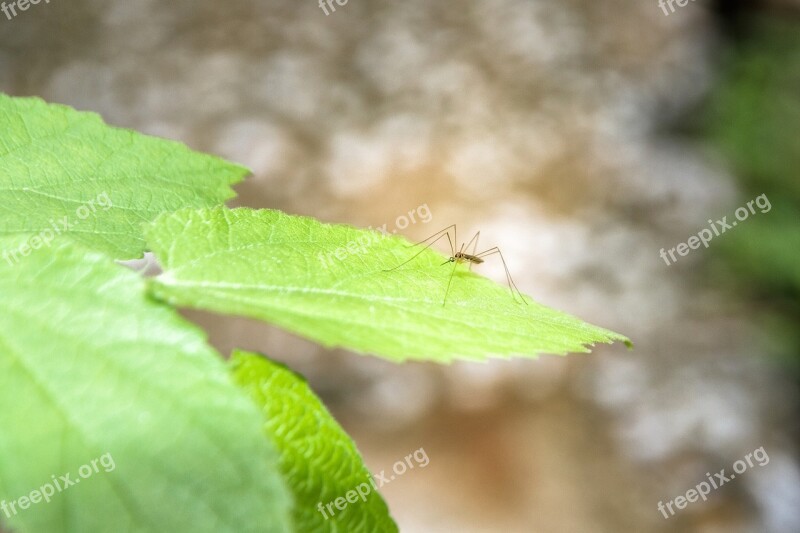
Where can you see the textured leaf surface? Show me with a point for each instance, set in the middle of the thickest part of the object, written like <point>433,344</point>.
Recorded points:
<point>318,459</point>
<point>56,162</point>
<point>283,269</point>
<point>90,366</point>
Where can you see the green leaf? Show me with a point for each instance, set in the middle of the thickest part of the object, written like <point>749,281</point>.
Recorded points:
<point>319,461</point>
<point>63,171</point>
<point>90,366</point>
<point>283,269</point>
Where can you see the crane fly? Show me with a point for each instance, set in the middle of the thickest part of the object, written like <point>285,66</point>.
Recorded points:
<point>460,257</point>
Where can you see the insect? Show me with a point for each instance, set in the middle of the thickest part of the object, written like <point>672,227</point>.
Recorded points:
<point>461,257</point>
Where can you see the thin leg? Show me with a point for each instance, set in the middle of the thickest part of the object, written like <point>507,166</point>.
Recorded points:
<point>511,285</point>
<point>442,233</point>
<point>452,258</point>
<point>455,265</point>
<point>452,246</point>
<point>474,242</point>
<point>449,281</point>
<point>445,230</point>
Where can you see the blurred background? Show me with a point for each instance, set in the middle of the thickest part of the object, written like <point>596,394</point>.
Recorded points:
<point>582,138</point>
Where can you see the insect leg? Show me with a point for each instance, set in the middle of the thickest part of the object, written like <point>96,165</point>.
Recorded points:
<point>452,252</point>
<point>511,285</point>
<point>445,230</point>
<point>442,233</point>
<point>474,242</point>
<point>455,265</point>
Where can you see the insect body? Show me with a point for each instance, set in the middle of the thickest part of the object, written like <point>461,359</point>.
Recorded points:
<point>461,257</point>
<point>474,258</point>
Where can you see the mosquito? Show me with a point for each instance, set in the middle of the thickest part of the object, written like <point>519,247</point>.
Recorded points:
<point>461,256</point>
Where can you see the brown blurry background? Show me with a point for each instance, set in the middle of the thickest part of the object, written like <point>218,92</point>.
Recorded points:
<point>569,134</point>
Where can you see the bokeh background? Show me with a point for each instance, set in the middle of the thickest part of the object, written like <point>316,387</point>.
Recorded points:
<point>581,137</point>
